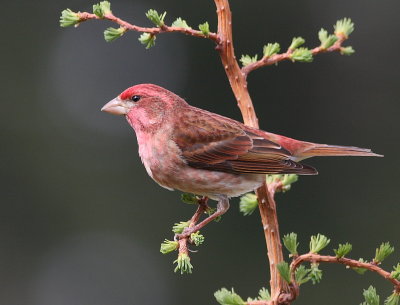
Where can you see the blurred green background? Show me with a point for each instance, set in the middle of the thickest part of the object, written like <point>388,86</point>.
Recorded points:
<point>81,222</point>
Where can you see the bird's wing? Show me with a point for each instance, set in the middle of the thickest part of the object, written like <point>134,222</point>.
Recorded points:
<point>212,142</point>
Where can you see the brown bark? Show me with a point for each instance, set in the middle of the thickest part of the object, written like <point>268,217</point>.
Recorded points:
<point>316,258</point>
<point>238,82</point>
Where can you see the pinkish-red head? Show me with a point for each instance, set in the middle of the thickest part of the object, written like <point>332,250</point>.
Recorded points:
<point>144,105</point>
<point>145,91</point>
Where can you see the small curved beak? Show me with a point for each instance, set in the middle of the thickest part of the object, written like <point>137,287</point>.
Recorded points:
<point>117,107</point>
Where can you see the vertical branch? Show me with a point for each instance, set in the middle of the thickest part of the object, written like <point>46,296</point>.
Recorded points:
<point>238,82</point>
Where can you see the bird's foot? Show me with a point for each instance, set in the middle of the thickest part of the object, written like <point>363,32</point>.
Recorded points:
<point>222,207</point>
<point>186,232</point>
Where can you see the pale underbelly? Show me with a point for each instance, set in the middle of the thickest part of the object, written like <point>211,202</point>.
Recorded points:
<point>165,165</point>
<point>209,183</point>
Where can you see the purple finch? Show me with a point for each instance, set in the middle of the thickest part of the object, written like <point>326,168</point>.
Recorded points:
<point>200,152</point>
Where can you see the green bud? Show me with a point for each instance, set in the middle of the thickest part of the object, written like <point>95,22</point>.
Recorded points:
<point>247,59</point>
<point>226,297</point>
<point>302,55</point>
<point>157,19</point>
<point>383,252</point>
<point>248,203</point>
<point>189,198</point>
<point>284,271</point>
<point>205,28</point>
<point>183,264</point>
<point>370,296</point>
<point>296,42</point>
<point>197,238</point>
<point>315,274</point>
<point>168,246</point>
<point>69,18</point>
<point>396,272</point>
<point>360,270</point>
<point>343,250</point>
<point>326,40</point>
<point>111,34</point>
<point>393,299</point>
<point>180,23</point>
<point>264,295</point>
<point>288,180</point>
<point>271,49</point>
<point>290,242</point>
<point>101,9</point>
<point>302,275</point>
<point>347,51</point>
<point>318,242</point>
<point>209,211</point>
<point>147,39</point>
<point>344,27</point>
<point>179,227</point>
<point>274,178</point>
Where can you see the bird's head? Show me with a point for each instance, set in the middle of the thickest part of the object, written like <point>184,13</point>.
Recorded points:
<point>144,105</point>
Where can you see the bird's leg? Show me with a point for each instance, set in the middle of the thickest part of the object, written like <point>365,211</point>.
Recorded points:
<point>222,207</point>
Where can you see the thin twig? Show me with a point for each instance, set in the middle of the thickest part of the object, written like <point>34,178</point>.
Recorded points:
<point>202,207</point>
<point>83,16</point>
<point>316,258</point>
<point>274,59</point>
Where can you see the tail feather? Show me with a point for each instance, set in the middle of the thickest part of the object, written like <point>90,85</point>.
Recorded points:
<point>336,150</point>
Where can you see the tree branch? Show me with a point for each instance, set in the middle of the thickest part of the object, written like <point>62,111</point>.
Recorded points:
<point>288,297</point>
<point>237,80</point>
<point>83,16</point>
<point>274,59</point>
<point>316,258</point>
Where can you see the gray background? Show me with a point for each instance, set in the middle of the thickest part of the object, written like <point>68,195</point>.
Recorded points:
<point>81,222</point>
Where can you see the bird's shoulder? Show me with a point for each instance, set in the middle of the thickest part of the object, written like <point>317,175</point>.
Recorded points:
<point>194,125</point>
<point>206,136</point>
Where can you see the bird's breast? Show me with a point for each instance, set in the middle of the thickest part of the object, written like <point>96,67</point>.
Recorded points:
<point>161,157</point>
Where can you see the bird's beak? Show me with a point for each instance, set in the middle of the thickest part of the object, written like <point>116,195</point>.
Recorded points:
<point>117,107</point>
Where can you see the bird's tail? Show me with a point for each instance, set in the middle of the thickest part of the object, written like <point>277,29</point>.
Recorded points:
<point>336,150</point>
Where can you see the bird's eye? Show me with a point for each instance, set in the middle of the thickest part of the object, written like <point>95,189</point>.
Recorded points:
<point>135,98</point>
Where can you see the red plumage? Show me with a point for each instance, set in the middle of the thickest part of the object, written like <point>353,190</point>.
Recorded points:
<point>193,150</point>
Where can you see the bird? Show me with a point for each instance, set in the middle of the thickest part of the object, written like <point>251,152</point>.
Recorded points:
<point>196,151</point>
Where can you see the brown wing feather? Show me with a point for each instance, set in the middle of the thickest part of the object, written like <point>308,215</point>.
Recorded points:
<point>217,143</point>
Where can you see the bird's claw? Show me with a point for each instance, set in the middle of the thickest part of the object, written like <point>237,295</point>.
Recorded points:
<point>185,234</point>
<point>178,237</point>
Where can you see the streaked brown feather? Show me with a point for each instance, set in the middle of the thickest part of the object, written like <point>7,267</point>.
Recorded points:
<point>337,150</point>
<point>222,144</point>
